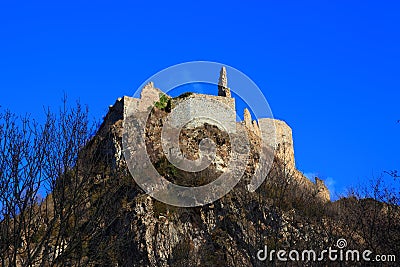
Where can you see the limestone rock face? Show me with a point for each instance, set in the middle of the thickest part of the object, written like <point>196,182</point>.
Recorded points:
<point>322,190</point>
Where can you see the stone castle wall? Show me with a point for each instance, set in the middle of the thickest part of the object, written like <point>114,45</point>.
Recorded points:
<point>282,141</point>
<point>197,109</point>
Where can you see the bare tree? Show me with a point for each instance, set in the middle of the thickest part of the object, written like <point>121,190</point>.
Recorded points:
<point>372,214</point>
<point>42,192</point>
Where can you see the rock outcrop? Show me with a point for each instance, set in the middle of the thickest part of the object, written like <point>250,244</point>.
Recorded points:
<point>229,232</point>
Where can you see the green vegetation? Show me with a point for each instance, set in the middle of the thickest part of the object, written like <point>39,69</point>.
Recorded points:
<point>184,95</point>
<point>166,168</point>
<point>163,103</point>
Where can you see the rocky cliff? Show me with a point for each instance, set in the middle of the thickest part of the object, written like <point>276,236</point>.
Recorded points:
<point>98,215</point>
<point>142,231</point>
<point>134,229</point>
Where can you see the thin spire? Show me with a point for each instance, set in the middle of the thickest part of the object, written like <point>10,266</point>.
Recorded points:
<point>223,89</point>
<point>223,80</point>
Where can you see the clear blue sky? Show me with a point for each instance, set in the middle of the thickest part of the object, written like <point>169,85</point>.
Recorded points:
<point>330,69</point>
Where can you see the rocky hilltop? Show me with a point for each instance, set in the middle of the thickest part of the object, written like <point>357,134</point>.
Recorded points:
<point>229,232</point>
<point>287,211</point>
<point>98,215</point>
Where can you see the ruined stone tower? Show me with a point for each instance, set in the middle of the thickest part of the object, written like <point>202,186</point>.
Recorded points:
<point>223,89</point>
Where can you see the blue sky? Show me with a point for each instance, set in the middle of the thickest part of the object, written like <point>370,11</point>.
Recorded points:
<point>329,69</point>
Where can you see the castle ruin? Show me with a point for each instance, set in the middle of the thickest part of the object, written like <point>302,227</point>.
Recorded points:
<point>275,133</point>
